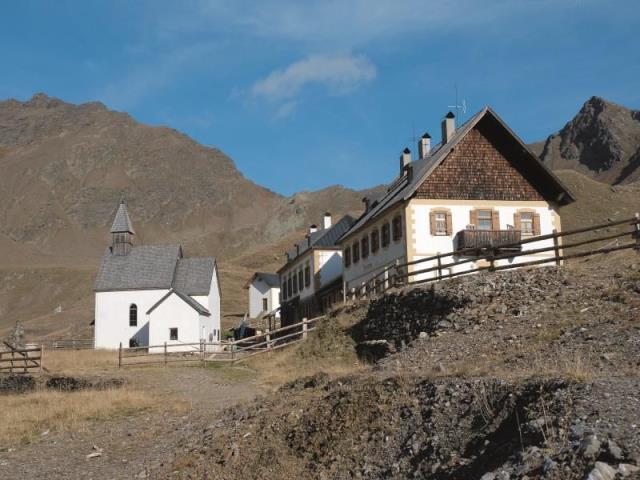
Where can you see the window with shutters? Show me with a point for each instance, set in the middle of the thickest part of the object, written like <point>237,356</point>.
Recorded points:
<point>355,252</point>
<point>485,220</point>
<point>307,275</point>
<point>295,283</point>
<point>364,246</point>
<point>385,235</point>
<point>347,256</point>
<point>396,228</point>
<point>375,240</point>
<point>289,286</point>
<point>284,290</point>
<point>300,280</point>
<point>173,334</point>
<point>526,223</point>
<point>265,305</point>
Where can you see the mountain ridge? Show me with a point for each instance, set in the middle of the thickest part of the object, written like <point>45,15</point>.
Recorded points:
<point>601,141</point>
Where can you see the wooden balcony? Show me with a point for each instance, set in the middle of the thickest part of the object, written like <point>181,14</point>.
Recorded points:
<point>477,240</point>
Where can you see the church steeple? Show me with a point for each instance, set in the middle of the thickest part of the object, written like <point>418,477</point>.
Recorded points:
<point>122,231</point>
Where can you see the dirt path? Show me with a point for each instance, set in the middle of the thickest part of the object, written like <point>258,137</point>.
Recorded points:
<point>134,446</point>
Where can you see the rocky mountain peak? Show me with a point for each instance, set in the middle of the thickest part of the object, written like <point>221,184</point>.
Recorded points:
<point>601,141</point>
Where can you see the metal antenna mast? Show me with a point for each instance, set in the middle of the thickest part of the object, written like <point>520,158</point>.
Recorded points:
<point>459,106</point>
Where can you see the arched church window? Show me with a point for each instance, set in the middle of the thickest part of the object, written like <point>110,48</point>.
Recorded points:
<point>133,315</point>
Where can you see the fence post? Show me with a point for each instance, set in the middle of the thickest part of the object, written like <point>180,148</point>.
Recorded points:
<point>268,338</point>
<point>304,328</point>
<point>120,355</point>
<point>556,246</point>
<point>439,274</point>
<point>165,354</point>
<point>41,357</point>
<point>202,351</point>
<point>637,233</point>
<point>344,291</point>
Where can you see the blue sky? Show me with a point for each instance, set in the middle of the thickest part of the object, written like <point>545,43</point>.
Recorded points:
<point>306,94</point>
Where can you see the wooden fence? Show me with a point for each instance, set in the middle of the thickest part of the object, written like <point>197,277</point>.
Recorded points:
<point>67,344</point>
<point>20,360</point>
<point>443,265</point>
<point>223,351</point>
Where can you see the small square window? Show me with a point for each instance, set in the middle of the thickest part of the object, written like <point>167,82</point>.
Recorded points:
<point>173,334</point>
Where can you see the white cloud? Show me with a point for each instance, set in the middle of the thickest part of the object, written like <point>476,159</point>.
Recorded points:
<point>338,74</point>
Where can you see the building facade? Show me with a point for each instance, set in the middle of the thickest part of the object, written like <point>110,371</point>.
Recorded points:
<point>150,294</point>
<point>311,278</point>
<point>480,187</point>
<point>264,294</point>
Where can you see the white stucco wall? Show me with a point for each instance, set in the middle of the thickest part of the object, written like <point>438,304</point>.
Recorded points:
<point>329,266</point>
<point>112,317</point>
<point>174,312</point>
<point>424,244</point>
<point>359,273</point>
<point>259,290</point>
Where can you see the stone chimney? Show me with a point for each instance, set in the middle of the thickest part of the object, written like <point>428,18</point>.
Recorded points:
<point>313,228</point>
<point>326,221</point>
<point>405,159</point>
<point>448,127</point>
<point>424,146</point>
<point>367,204</point>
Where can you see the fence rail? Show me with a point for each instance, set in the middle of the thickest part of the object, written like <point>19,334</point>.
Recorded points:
<point>20,360</point>
<point>67,344</point>
<point>223,351</point>
<point>405,273</point>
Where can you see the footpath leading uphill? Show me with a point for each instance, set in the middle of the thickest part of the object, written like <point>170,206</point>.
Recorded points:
<point>516,375</point>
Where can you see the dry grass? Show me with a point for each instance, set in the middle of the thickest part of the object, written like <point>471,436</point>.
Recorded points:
<point>575,366</point>
<point>286,365</point>
<point>80,362</point>
<point>27,416</point>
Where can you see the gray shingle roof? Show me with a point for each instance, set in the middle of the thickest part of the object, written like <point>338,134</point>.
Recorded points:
<point>322,238</point>
<point>271,279</point>
<point>122,222</point>
<point>146,267</point>
<point>193,275</point>
<point>403,188</point>
<point>186,298</point>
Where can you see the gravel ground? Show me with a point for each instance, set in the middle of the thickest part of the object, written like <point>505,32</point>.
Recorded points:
<point>132,446</point>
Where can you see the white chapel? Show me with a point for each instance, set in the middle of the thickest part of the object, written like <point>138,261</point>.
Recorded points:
<point>147,295</point>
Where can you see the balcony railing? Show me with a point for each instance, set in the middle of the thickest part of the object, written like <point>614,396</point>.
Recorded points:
<point>482,239</point>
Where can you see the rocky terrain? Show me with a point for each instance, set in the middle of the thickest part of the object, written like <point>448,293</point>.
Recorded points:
<point>602,141</point>
<point>515,375</point>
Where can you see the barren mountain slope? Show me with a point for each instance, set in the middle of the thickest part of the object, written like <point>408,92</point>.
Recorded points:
<point>602,141</point>
<point>65,168</point>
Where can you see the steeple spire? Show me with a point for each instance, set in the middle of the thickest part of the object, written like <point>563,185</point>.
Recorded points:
<point>122,231</point>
